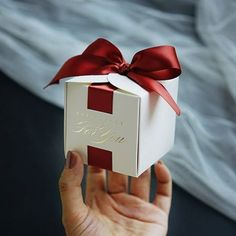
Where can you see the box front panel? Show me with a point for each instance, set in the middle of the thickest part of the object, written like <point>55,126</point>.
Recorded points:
<point>105,137</point>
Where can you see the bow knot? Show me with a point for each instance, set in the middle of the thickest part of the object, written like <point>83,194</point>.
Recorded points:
<point>124,68</point>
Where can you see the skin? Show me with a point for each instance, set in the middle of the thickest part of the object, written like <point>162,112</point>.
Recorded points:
<point>109,208</point>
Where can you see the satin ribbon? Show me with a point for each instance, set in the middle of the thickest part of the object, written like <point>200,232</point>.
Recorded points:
<point>147,67</point>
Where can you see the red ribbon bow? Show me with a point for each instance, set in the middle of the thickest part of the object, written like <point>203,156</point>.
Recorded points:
<point>147,66</point>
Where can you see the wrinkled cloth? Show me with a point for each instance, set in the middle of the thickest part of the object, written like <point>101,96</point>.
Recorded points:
<point>36,37</point>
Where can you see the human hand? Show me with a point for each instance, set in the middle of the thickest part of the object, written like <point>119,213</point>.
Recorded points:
<point>108,208</point>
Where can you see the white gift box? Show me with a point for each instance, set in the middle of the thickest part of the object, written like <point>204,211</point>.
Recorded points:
<point>139,130</point>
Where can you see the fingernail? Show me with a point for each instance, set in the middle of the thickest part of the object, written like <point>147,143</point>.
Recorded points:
<point>70,160</point>
<point>160,162</point>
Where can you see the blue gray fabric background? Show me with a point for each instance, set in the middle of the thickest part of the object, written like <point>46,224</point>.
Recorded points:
<point>36,37</point>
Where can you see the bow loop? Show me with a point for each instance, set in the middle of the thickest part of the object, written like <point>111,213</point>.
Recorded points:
<point>161,63</point>
<point>107,50</point>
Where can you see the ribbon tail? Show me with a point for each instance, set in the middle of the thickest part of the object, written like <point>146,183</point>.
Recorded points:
<point>155,86</point>
<point>163,92</point>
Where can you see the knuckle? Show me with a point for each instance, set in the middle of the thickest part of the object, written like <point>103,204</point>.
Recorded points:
<point>63,185</point>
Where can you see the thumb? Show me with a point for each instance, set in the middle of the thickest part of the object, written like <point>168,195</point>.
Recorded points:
<point>74,210</point>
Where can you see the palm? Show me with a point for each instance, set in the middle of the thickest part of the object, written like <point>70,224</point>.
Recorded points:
<point>124,214</point>
<point>111,210</point>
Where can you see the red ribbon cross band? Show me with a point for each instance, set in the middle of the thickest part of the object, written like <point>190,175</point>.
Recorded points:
<point>147,67</point>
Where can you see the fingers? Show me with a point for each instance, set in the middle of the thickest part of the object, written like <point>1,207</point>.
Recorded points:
<point>140,186</point>
<point>73,207</point>
<point>164,187</point>
<point>117,183</point>
<point>96,178</point>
